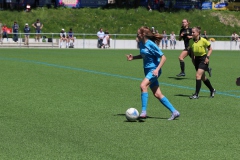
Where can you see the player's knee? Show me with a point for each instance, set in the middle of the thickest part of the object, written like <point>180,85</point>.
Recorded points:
<point>199,77</point>
<point>143,87</point>
<point>180,58</point>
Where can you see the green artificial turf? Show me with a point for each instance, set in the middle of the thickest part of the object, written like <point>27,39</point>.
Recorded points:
<point>70,104</point>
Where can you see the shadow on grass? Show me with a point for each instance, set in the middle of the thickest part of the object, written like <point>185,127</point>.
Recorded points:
<point>139,120</point>
<point>184,95</point>
<point>178,78</point>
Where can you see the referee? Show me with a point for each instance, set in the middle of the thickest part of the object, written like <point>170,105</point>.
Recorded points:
<point>198,46</point>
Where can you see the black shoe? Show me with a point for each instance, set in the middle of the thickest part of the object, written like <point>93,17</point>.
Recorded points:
<point>194,96</point>
<point>212,93</point>
<point>181,74</point>
<point>210,72</point>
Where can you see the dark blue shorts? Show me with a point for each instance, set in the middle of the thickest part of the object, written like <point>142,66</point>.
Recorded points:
<point>152,78</point>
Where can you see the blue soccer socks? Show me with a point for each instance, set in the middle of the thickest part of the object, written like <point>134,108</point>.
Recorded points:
<point>144,98</point>
<point>167,104</point>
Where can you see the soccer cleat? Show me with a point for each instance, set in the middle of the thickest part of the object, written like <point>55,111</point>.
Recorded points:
<point>143,115</point>
<point>194,96</point>
<point>212,93</point>
<point>181,74</point>
<point>210,72</point>
<point>174,115</point>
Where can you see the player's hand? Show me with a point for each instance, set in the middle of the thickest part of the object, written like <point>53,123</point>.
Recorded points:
<point>206,61</point>
<point>155,72</point>
<point>238,81</point>
<point>129,57</point>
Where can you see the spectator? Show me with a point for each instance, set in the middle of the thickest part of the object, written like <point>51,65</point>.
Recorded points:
<point>100,35</point>
<point>153,30</point>
<point>70,37</point>
<point>108,41</point>
<point>204,35</point>
<point>38,26</point>
<point>28,8</point>
<point>4,32</point>
<point>172,40</point>
<point>26,35</point>
<point>15,28</point>
<point>164,39</point>
<point>63,38</point>
<point>239,41</point>
<point>105,41</point>
<point>156,4</point>
<point>1,32</point>
<point>235,37</point>
<point>149,6</point>
<point>161,5</point>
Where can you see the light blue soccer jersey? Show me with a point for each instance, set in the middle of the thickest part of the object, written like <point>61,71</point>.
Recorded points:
<point>150,53</point>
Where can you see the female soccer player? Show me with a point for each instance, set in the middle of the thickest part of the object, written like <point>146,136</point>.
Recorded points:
<point>198,46</point>
<point>153,60</point>
<point>186,35</point>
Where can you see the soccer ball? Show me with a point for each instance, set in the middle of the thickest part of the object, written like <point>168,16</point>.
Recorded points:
<point>132,114</point>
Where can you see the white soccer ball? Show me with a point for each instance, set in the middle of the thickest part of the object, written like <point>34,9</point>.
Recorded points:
<point>132,114</point>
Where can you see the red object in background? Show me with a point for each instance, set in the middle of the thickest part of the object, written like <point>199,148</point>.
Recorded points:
<point>8,30</point>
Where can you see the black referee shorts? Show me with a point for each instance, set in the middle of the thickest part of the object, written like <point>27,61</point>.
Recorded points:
<point>199,62</point>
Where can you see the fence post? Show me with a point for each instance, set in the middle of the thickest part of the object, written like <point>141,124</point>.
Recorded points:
<point>115,37</point>
<point>230,44</point>
<point>52,40</point>
<point>84,40</point>
<point>20,38</point>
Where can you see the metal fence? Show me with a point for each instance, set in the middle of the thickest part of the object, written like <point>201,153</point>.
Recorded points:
<point>118,41</point>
